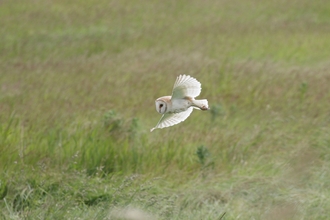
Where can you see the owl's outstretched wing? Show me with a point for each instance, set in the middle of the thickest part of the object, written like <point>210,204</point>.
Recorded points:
<point>170,119</point>
<point>186,86</point>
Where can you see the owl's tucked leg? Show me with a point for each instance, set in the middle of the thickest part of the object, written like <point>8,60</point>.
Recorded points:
<point>201,104</point>
<point>204,108</point>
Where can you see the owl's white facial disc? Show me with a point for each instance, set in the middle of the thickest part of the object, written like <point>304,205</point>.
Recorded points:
<point>161,106</point>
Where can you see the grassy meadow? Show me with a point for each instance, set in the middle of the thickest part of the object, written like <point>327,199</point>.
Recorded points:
<point>78,80</point>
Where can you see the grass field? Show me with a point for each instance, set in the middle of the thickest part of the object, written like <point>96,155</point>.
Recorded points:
<point>78,80</point>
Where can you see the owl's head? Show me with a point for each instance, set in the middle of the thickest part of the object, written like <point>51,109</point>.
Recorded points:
<point>161,106</point>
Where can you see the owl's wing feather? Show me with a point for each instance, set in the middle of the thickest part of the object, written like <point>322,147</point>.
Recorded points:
<point>186,86</point>
<point>170,119</point>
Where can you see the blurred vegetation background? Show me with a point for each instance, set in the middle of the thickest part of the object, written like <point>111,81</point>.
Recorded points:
<point>78,80</point>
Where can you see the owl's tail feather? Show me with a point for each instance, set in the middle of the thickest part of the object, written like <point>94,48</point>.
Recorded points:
<point>201,104</point>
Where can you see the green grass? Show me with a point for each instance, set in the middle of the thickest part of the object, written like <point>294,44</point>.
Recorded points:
<point>78,80</point>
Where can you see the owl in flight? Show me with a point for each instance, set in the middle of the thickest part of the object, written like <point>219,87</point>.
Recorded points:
<point>178,107</point>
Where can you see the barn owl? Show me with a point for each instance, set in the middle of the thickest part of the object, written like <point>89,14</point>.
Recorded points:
<point>178,107</point>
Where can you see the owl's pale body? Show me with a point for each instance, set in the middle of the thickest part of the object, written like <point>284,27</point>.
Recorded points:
<point>175,105</point>
<point>178,107</point>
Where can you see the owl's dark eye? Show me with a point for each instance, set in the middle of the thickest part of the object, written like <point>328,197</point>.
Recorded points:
<point>161,105</point>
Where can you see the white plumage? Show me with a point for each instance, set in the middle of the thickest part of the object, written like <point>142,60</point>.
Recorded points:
<point>178,107</point>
